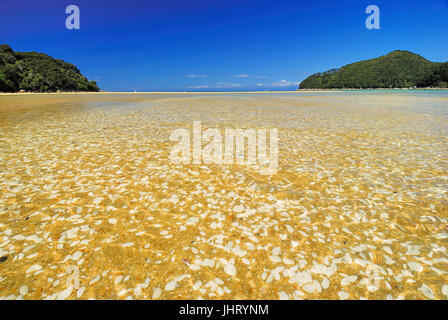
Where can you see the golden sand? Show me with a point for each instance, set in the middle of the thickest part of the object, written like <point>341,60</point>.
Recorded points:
<point>358,207</point>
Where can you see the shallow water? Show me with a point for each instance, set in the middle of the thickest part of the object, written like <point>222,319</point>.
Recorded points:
<point>357,209</point>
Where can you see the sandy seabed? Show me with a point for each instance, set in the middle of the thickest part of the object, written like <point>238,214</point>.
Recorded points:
<point>91,206</point>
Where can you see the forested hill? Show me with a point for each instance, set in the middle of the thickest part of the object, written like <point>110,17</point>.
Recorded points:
<point>398,69</point>
<point>38,72</point>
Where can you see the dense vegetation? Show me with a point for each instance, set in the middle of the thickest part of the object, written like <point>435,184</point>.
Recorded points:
<point>398,69</point>
<point>437,78</point>
<point>38,72</point>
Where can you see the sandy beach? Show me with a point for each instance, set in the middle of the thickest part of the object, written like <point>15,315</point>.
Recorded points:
<point>91,206</point>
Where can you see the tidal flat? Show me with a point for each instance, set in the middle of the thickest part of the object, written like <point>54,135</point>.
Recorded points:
<point>92,208</point>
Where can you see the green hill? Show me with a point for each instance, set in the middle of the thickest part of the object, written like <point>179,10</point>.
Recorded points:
<point>38,72</point>
<point>398,69</point>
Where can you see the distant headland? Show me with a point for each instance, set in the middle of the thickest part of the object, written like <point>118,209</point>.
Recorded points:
<point>38,72</point>
<point>398,69</point>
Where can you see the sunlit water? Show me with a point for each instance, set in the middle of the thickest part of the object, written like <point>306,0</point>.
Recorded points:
<point>357,209</point>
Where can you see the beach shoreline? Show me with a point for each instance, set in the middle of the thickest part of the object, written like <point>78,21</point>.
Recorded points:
<point>217,92</point>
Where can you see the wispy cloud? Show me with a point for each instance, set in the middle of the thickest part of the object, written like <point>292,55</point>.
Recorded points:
<point>219,85</point>
<point>285,83</point>
<point>259,84</point>
<point>199,87</point>
<point>196,76</point>
<point>240,76</point>
<point>226,85</point>
<point>261,77</point>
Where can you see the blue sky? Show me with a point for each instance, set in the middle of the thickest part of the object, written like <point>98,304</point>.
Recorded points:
<point>220,45</point>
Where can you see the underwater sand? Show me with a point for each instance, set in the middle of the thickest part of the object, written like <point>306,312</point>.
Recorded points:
<point>358,208</point>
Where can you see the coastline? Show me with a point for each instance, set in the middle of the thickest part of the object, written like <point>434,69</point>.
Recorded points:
<point>214,92</point>
<point>373,89</point>
<point>154,92</point>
